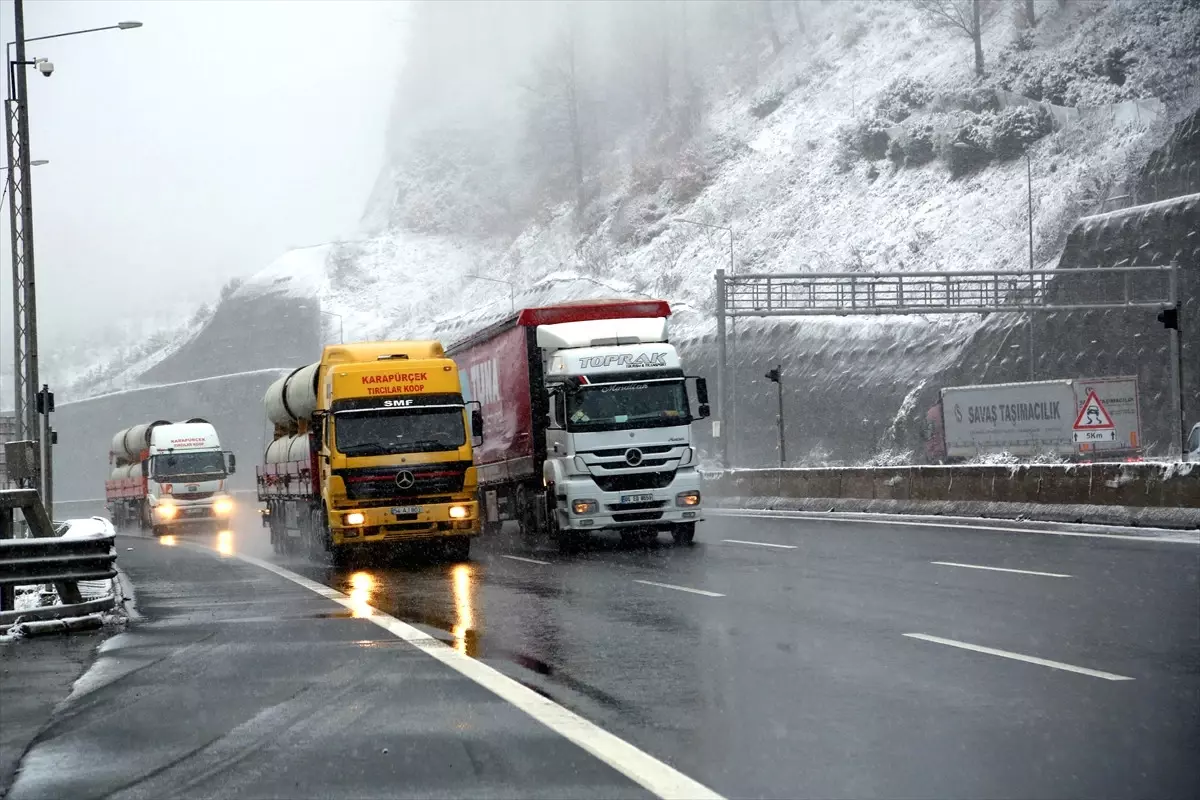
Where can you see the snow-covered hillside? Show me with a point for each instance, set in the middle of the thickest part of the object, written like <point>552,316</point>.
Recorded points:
<point>780,182</point>
<point>783,146</point>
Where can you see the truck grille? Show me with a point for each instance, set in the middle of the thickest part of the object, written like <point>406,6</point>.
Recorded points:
<point>192,495</point>
<point>647,450</point>
<point>634,481</point>
<point>639,516</point>
<point>376,484</point>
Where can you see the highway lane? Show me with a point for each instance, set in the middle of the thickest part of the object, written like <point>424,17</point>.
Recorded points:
<point>793,672</point>
<point>793,667</point>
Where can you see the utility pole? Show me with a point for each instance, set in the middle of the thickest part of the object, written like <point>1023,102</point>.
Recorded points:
<point>25,350</point>
<point>1032,288</point>
<point>776,377</point>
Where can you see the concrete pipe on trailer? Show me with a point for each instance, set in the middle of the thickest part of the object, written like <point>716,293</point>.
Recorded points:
<point>293,397</point>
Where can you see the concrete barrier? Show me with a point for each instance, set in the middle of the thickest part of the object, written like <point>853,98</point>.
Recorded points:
<point>1165,494</point>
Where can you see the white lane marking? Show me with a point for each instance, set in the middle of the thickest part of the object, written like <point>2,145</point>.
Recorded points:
<point>639,766</point>
<point>1001,569</point>
<point>761,544</point>
<point>680,588</point>
<point>526,560</point>
<point>1184,537</point>
<point>991,651</point>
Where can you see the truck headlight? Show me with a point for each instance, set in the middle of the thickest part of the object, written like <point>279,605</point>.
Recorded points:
<point>585,506</point>
<point>166,510</point>
<point>354,518</point>
<point>687,499</point>
<point>223,506</point>
<point>458,512</point>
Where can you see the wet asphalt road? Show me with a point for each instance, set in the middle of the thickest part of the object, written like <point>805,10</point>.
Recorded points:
<point>831,659</point>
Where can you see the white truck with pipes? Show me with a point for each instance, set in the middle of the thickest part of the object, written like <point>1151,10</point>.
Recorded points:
<point>589,421</point>
<point>169,476</point>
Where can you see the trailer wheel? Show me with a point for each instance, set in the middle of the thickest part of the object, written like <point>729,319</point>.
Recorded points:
<point>527,516</point>
<point>684,534</point>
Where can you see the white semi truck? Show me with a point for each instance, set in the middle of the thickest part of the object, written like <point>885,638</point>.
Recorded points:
<point>589,418</point>
<point>166,476</point>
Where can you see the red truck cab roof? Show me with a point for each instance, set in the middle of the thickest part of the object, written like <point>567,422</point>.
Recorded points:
<point>586,310</point>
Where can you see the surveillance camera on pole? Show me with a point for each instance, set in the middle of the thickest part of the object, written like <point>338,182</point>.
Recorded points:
<point>44,66</point>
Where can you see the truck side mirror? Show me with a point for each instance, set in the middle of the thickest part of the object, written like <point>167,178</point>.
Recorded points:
<point>145,467</point>
<point>702,393</point>
<point>231,463</point>
<point>704,411</point>
<point>477,423</point>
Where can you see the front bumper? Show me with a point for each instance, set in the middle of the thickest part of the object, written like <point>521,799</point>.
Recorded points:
<point>185,513</point>
<point>400,523</point>
<point>634,508</point>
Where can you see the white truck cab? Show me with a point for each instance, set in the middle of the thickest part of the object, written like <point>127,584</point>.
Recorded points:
<point>1192,452</point>
<point>619,450</point>
<point>186,472</point>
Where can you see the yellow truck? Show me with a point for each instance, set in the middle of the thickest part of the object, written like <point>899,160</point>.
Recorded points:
<point>372,445</point>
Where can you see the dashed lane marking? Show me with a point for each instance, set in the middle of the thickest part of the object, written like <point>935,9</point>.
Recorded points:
<point>1042,662</point>
<point>1001,569</point>
<point>680,588</point>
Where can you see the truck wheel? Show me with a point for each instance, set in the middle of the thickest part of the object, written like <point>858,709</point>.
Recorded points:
<point>684,534</point>
<point>457,548</point>
<point>158,530</point>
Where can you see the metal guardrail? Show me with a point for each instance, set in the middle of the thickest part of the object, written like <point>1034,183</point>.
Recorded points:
<point>47,558</point>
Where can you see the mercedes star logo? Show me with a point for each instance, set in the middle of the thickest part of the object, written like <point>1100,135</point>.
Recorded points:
<point>633,456</point>
<point>405,480</point>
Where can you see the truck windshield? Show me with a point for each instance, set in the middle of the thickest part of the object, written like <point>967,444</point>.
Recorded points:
<point>376,432</point>
<point>620,406</point>
<point>205,466</point>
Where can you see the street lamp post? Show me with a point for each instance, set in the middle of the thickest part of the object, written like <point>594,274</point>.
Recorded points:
<point>1029,204</point>
<point>341,328</point>
<point>512,291</point>
<point>18,185</point>
<point>721,426</point>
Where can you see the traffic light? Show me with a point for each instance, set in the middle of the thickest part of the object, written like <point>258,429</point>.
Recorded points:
<point>45,401</point>
<point>773,375</point>
<point>1169,317</point>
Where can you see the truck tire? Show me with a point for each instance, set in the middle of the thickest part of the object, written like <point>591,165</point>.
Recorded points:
<point>527,517</point>
<point>566,539</point>
<point>684,534</point>
<point>457,548</point>
<point>158,530</point>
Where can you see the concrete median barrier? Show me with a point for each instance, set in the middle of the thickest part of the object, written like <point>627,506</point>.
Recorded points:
<point>1159,494</point>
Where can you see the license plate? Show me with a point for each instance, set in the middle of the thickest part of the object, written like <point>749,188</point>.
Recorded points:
<point>195,512</point>
<point>401,511</point>
<point>636,498</point>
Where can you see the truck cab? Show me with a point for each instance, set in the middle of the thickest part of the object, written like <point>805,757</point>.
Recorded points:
<point>619,451</point>
<point>185,471</point>
<point>1192,451</point>
<point>396,453</point>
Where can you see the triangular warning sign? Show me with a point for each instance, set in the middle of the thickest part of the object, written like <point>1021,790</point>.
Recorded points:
<point>1093,416</point>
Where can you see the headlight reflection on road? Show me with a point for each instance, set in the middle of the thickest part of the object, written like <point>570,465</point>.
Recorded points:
<point>167,541</point>
<point>225,543</point>
<point>464,628</point>
<point>362,584</point>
